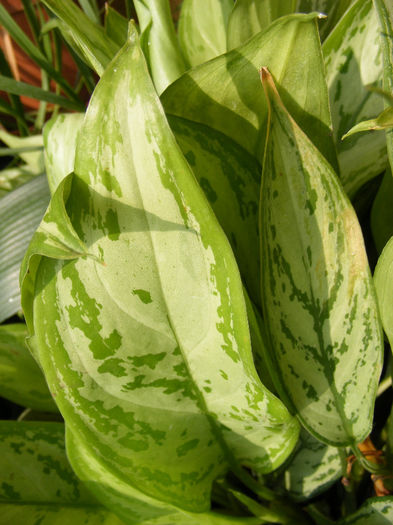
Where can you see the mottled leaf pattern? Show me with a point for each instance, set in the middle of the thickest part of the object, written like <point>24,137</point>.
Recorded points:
<point>122,348</point>
<point>21,380</point>
<point>313,468</point>
<point>376,511</point>
<point>353,60</point>
<point>37,484</point>
<point>318,296</point>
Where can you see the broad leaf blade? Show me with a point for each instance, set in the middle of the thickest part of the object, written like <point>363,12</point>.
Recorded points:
<point>318,297</point>
<point>383,279</point>
<point>20,213</point>
<point>223,94</point>
<point>218,114</point>
<point>21,380</point>
<point>60,135</point>
<point>202,29</point>
<point>375,511</point>
<point>142,334</point>
<point>116,25</point>
<point>36,481</point>
<point>159,42</point>
<point>313,468</point>
<point>353,60</point>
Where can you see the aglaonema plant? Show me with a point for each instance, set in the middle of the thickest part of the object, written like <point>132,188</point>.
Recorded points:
<point>198,296</point>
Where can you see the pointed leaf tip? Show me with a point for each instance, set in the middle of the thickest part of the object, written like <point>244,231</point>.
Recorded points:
<point>132,35</point>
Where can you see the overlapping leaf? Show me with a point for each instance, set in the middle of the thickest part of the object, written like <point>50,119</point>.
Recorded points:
<point>354,60</point>
<point>218,115</point>
<point>121,333</point>
<point>318,296</point>
<point>159,42</point>
<point>375,511</point>
<point>383,279</point>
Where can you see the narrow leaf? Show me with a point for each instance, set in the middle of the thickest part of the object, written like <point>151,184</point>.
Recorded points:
<point>97,47</point>
<point>202,29</point>
<point>159,42</point>
<point>33,158</point>
<point>383,121</point>
<point>12,178</point>
<point>60,134</point>
<point>20,88</point>
<point>20,213</point>
<point>140,335</point>
<point>319,302</point>
<point>21,380</point>
<point>353,61</point>
<point>383,279</point>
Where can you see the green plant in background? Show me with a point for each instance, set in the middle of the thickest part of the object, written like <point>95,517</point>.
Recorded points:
<point>197,293</point>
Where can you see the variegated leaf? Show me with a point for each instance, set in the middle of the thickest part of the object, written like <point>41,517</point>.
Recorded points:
<point>313,468</point>
<point>375,511</point>
<point>353,60</point>
<point>60,134</point>
<point>202,29</point>
<point>218,115</point>
<point>121,334</point>
<point>37,484</point>
<point>21,380</point>
<point>318,296</point>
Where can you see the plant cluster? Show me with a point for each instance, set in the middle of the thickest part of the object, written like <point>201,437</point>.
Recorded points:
<point>188,310</point>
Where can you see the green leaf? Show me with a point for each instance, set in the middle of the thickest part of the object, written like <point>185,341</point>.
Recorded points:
<point>37,484</point>
<point>385,15</point>
<point>12,178</point>
<point>20,88</point>
<point>224,94</point>
<point>383,121</point>
<point>202,29</point>
<point>33,159</point>
<point>249,17</point>
<point>382,212</point>
<point>375,511</point>
<point>218,114</point>
<point>353,60</point>
<point>60,134</point>
<point>159,42</point>
<point>116,25</point>
<point>314,467</point>
<point>334,9</point>
<point>125,347</point>
<point>129,503</point>
<point>383,276</point>
<point>90,38</point>
<point>21,380</point>
<point>319,302</point>
<point>20,213</point>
